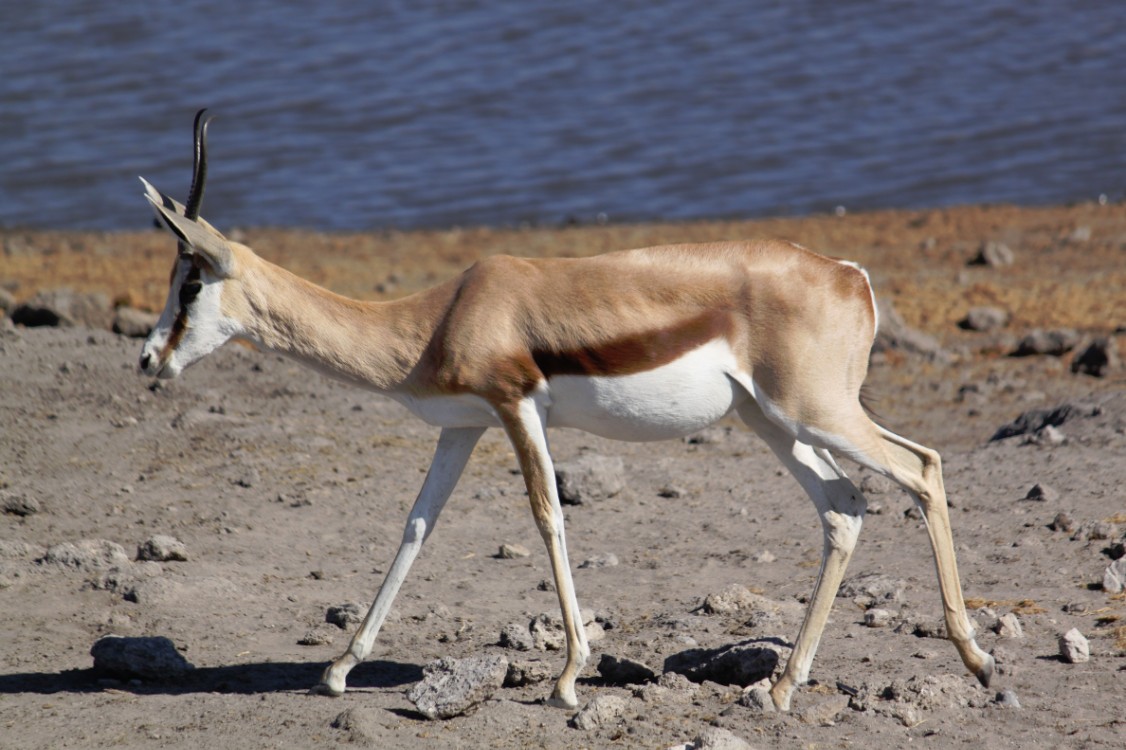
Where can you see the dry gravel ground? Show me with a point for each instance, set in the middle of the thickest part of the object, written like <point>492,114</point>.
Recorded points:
<point>288,492</point>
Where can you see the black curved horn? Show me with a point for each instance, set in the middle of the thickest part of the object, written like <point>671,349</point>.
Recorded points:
<point>199,166</point>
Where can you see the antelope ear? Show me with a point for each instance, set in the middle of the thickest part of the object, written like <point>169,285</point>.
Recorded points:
<point>198,237</point>
<point>155,196</point>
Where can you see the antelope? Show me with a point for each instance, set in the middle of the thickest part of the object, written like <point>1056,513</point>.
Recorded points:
<point>637,345</point>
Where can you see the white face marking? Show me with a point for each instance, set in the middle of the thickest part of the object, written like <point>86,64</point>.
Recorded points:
<point>671,401</point>
<point>169,350</point>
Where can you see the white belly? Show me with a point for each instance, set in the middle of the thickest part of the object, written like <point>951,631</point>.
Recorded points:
<point>677,399</point>
<point>671,401</point>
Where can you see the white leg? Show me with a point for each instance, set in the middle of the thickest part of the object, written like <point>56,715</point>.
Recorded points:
<point>450,458</point>
<point>840,506</point>
<point>525,423</point>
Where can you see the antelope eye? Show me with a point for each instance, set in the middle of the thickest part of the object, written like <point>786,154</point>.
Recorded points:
<point>189,291</point>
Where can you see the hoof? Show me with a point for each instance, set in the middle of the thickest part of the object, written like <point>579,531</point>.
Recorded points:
<point>323,688</point>
<point>985,673</point>
<point>556,701</point>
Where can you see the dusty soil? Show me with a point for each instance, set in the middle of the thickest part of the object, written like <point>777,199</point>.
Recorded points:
<point>289,491</point>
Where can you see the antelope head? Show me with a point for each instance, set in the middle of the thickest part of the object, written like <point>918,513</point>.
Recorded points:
<point>194,322</point>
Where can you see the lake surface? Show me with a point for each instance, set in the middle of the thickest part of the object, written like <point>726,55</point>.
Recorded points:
<point>357,115</point>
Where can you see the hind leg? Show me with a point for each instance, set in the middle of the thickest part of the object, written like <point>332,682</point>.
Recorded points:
<point>840,506</point>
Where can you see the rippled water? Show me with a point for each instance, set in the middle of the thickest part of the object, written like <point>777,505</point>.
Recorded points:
<point>339,114</point>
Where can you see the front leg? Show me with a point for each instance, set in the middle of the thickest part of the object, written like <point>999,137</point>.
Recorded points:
<point>525,424</point>
<point>454,448</point>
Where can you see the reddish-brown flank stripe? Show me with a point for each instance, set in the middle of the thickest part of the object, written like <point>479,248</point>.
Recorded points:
<point>638,352</point>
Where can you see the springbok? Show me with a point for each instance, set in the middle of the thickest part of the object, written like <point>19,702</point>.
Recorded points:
<point>634,345</point>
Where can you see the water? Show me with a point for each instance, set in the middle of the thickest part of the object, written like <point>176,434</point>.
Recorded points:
<point>356,115</point>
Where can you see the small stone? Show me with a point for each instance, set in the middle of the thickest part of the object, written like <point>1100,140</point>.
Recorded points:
<point>732,599</point>
<point>521,673</point>
<point>1056,342</point>
<point>513,551</point>
<point>984,319</point>
<point>18,504</point>
<point>1042,493</point>
<point>870,588</point>
<point>617,670</point>
<point>162,548</point>
<point>765,557</point>
<point>1007,699</point>
<point>451,687</point>
<point>993,254</point>
<point>88,555</point>
<point>589,478</point>
<point>600,560</point>
<point>1098,359</point>
<point>758,699</point>
<point>361,727</point>
<point>1074,647</point>
<point>1114,577</point>
<point>1008,626</point>
<point>875,484</point>
<point>878,618</point>
<point>1062,522</point>
<point>345,615</point>
<point>517,637</point>
<point>320,636</point>
<point>1093,531</point>
<point>547,632</point>
<point>601,711</point>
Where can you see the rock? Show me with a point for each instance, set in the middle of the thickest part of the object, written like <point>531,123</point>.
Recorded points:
<point>877,618</point>
<point>934,691</point>
<point>718,738</point>
<point>824,712</point>
<point>87,555</point>
<point>1074,648</point>
<point>152,658</point>
<point>764,557</point>
<point>875,484</point>
<point>868,589</point>
<point>16,550</point>
<point>18,504</point>
<point>1056,342</point>
<point>162,548</point>
<point>731,599</point>
<point>757,698</point>
<point>346,615</point>
<point>134,323</point>
<point>601,711</point>
<point>739,664</point>
<point>547,632</point>
<point>1114,577</point>
<point>65,308</point>
<point>1034,420</point>
<point>1008,626</point>
<point>360,726</point>
<point>1007,699</point>
<point>601,560</point>
<point>318,636</point>
<point>1042,493</point>
<point>589,478</point>
<point>984,319</point>
<point>1098,359</point>
<point>1093,531</point>
<point>516,636</point>
<point>513,551</point>
<point>993,254</point>
<point>617,670</point>
<point>7,302</point>
<point>1062,522</point>
<point>522,673</point>
<point>895,334</point>
<point>451,687</point>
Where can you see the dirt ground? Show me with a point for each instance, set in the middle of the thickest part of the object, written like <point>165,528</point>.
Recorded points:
<point>289,492</point>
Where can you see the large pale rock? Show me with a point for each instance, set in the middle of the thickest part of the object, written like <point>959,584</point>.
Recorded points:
<point>1114,577</point>
<point>1074,647</point>
<point>451,687</point>
<point>589,478</point>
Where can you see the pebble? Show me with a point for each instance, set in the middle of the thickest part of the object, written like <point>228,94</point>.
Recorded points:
<point>18,504</point>
<point>162,548</point>
<point>1074,647</point>
<point>547,632</point>
<point>1007,699</point>
<point>346,615</point>
<point>715,738</point>
<point>993,254</point>
<point>1042,493</point>
<point>589,478</point>
<point>517,637</point>
<point>360,725</point>
<point>600,560</point>
<point>599,712</point>
<point>758,699</point>
<point>878,618</point>
<point>732,599</point>
<point>1114,577</point>
<point>1008,626</point>
<point>513,551</point>
<point>618,670</point>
